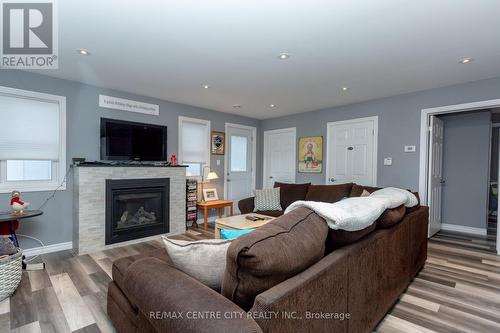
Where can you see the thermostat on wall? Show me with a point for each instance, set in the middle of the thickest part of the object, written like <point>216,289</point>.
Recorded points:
<point>410,149</point>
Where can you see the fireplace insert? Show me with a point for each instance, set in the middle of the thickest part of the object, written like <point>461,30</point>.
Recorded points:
<point>136,208</point>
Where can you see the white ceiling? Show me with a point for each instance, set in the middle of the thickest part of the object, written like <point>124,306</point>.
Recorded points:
<point>169,49</point>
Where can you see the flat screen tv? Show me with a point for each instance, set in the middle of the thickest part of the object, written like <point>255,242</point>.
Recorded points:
<point>129,141</point>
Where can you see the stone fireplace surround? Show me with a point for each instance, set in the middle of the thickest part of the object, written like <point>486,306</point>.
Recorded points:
<point>89,218</point>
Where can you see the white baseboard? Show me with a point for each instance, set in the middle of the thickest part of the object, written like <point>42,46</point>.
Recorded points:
<point>48,249</point>
<point>464,229</point>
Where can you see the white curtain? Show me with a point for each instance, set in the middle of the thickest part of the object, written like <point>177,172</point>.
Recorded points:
<point>29,129</point>
<point>195,138</point>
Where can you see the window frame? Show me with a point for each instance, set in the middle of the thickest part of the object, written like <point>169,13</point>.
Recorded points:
<point>204,166</point>
<point>58,181</point>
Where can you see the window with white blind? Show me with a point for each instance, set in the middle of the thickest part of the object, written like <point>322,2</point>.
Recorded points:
<point>194,145</point>
<point>32,141</point>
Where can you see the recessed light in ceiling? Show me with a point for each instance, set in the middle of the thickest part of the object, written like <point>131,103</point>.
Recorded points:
<point>83,51</point>
<point>466,60</point>
<point>283,56</point>
<point>206,86</point>
<point>236,106</point>
<point>272,105</point>
<point>345,88</point>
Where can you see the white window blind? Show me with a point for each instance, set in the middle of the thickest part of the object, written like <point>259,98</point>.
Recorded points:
<point>30,129</point>
<point>194,142</point>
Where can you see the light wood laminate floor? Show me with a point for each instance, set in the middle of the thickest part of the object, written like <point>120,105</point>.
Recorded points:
<point>457,291</point>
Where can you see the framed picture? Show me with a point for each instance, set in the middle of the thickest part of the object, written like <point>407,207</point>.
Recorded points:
<point>311,154</point>
<point>210,194</point>
<point>217,142</point>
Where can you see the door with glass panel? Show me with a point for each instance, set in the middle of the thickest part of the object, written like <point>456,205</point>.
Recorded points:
<point>239,168</point>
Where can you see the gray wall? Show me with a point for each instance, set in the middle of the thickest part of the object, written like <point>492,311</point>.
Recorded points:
<point>465,168</point>
<point>399,125</point>
<point>83,116</point>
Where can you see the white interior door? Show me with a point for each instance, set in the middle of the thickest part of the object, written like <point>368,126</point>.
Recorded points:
<point>240,152</point>
<point>435,174</point>
<point>279,156</point>
<point>352,151</point>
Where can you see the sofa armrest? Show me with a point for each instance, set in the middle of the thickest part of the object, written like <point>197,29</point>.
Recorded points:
<point>320,289</point>
<point>173,301</point>
<point>246,205</point>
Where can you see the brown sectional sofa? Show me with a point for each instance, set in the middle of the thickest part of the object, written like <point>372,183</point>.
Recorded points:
<point>277,278</point>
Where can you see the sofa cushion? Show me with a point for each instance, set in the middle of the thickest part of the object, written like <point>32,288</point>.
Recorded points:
<point>357,190</point>
<point>121,265</point>
<point>273,213</point>
<point>289,193</point>
<point>203,260</point>
<point>267,199</point>
<point>339,238</point>
<point>391,217</point>
<point>273,253</point>
<point>328,193</point>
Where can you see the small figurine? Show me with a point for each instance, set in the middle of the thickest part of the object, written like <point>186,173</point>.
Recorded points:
<point>17,205</point>
<point>173,160</point>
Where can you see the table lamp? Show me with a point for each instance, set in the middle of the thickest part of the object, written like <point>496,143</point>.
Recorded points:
<point>210,176</point>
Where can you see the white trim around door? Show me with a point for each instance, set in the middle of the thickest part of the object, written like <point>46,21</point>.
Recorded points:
<point>293,131</point>
<point>425,116</point>
<point>424,136</point>
<point>375,144</point>
<point>254,154</point>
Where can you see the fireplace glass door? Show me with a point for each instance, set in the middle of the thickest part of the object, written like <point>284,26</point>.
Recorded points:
<point>136,208</point>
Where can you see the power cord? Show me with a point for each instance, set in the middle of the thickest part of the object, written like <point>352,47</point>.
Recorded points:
<point>35,239</point>
<point>50,197</point>
<point>53,194</point>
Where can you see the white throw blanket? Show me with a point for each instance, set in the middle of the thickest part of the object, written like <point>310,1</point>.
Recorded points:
<point>357,213</point>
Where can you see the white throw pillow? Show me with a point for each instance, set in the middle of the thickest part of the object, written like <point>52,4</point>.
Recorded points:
<point>365,193</point>
<point>267,199</point>
<point>204,260</point>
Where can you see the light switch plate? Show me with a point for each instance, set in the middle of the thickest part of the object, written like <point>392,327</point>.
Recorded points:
<point>218,162</point>
<point>388,161</point>
<point>410,149</point>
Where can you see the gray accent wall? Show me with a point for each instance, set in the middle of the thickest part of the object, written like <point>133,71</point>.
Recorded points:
<point>83,119</point>
<point>466,151</point>
<point>399,125</point>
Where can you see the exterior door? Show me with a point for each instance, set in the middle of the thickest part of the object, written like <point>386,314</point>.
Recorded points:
<point>435,174</point>
<point>351,151</point>
<point>279,156</point>
<point>239,159</point>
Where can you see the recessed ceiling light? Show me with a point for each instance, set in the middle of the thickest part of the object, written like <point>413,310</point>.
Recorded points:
<point>345,88</point>
<point>236,106</point>
<point>272,105</point>
<point>466,60</point>
<point>83,51</point>
<point>283,56</point>
<point>206,86</point>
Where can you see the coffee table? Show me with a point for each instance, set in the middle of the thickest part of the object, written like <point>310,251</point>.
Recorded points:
<point>240,222</point>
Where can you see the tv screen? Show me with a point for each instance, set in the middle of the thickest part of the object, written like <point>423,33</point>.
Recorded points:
<point>124,140</point>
